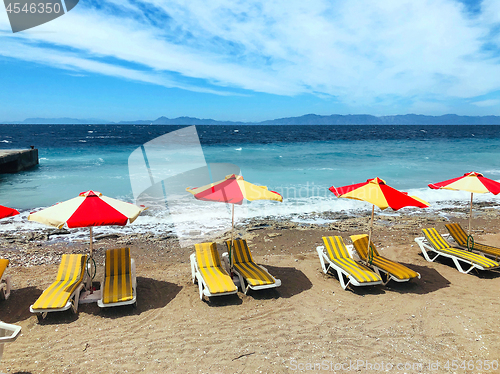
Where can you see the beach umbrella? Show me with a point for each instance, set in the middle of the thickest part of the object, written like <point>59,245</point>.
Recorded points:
<point>7,212</point>
<point>377,192</point>
<point>88,209</point>
<point>471,182</point>
<point>233,190</point>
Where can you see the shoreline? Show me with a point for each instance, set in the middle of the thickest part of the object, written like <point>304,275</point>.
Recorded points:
<point>32,247</point>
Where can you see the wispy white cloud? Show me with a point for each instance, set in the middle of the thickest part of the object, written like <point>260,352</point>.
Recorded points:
<point>356,50</point>
<point>487,103</point>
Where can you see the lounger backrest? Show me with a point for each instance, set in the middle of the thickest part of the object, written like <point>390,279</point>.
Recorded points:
<point>69,276</point>
<point>240,252</point>
<point>435,239</point>
<point>458,233</point>
<point>118,278</point>
<point>360,243</point>
<point>72,268</point>
<point>117,262</point>
<point>207,255</point>
<point>3,265</point>
<point>335,247</point>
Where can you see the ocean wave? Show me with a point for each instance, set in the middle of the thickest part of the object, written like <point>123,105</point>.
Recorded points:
<point>205,221</point>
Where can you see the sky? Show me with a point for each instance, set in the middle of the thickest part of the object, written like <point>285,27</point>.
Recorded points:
<point>252,60</point>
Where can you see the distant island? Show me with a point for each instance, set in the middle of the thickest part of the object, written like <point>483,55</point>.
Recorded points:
<point>308,119</point>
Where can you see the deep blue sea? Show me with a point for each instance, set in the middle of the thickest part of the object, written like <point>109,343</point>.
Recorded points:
<point>300,162</point>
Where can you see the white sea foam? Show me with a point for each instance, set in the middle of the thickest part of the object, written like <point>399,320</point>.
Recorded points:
<point>211,222</point>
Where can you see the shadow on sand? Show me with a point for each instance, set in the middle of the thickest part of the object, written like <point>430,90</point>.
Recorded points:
<point>151,294</point>
<point>430,281</point>
<point>17,307</point>
<point>293,282</point>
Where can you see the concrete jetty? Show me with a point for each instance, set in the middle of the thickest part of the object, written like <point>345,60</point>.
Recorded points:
<point>14,160</point>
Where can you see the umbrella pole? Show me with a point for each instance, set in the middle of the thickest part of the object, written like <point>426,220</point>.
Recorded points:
<point>370,236</point>
<point>89,279</point>
<point>470,211</point>
<point>232,243</point>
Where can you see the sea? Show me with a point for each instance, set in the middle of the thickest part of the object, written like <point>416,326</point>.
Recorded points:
<point>299,162</point>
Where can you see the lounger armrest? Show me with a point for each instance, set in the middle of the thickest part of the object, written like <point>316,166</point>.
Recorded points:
<point>352,252</point>
<point>14,331</point>
<point>449,238</point>
<point>422,242</point>
<point>225,262</point>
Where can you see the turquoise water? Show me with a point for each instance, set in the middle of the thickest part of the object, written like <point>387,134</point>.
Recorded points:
<point>300,162</point>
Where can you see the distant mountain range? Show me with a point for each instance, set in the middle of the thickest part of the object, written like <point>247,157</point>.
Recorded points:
<point>308,119</point>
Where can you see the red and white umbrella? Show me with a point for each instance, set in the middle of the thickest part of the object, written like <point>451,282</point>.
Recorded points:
<point>88,209</point>
<point>7,212</point>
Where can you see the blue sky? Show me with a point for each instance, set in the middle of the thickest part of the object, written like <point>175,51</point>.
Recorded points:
<point>254,60</point>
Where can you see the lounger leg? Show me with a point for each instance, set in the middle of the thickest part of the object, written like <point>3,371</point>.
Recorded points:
<point>41,316</point>
<point>76,298</point>
<point>193,268</point>
<point>459,267</point>
<point>426,255</point>
<point>343,284</point>
<point>242,284</point>
<point>200,286</point>
<point>422,246</point>
<point>382,275</point>
<point>321,259</point>
<point>6,290</point>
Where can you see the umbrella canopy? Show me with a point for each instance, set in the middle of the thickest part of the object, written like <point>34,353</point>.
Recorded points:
<point>7,212</point>
<point>88,209</point>
<point>471,182</point>
<point>233,190</point>
<point>377,192</point>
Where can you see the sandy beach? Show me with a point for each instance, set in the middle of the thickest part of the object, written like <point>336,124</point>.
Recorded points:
<point>309,323</point>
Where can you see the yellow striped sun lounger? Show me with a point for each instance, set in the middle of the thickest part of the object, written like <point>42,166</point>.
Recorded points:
<point>434,242</point>
<point>392,270</point>
<point>254,276</point>
<point>206,269</point>
<point>119,285</point>
<point>4,279</point>
<point>463,240</point>
<point>65,291</point>
<point>335,254</point>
